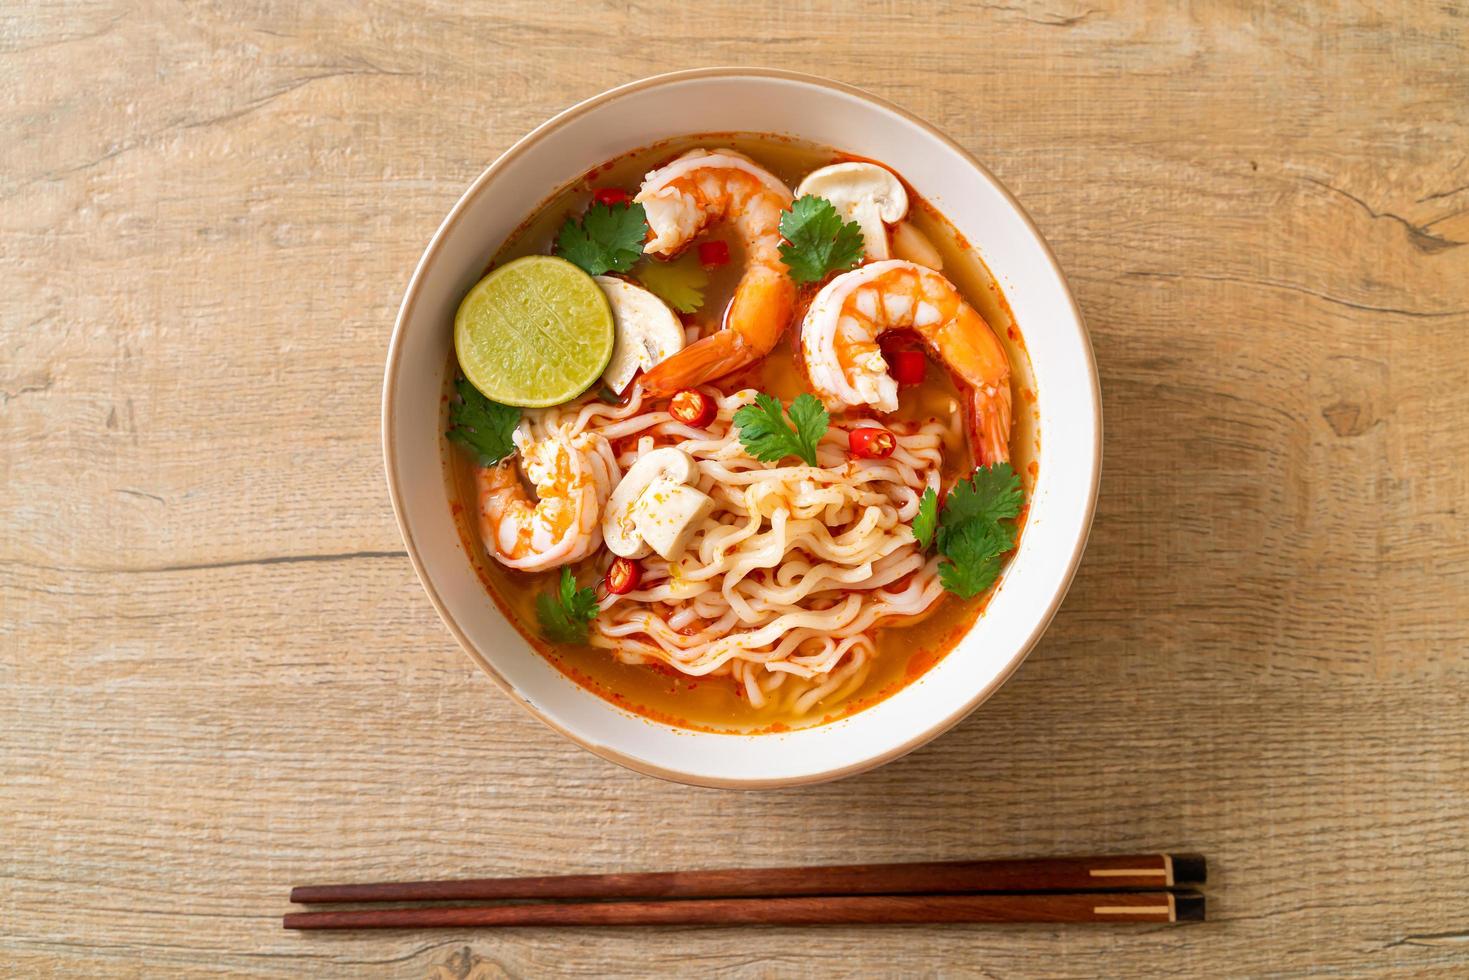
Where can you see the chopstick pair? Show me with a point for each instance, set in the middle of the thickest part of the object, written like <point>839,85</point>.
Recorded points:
<point>1114,888</point>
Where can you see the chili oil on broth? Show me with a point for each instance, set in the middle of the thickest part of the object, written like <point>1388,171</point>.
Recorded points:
<point>903,651</point>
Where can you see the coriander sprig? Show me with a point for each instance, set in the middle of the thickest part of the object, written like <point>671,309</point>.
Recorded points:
<point>817,241</point>
<point>565,613</point>
<point>680,283</point>
<point>482,426</point>
<point>768,437</point>
<point>607,238</point>
<point>974,530</point>
<point>925,522</point>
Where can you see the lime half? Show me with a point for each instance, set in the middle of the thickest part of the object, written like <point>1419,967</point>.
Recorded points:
<point>534,332</point>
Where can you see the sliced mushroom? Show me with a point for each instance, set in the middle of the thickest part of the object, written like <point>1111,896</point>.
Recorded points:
<point>865,193</point>
<point>647,331</point>
<point>912,245</point>
<point>667,513</point>
<point>619,527</point>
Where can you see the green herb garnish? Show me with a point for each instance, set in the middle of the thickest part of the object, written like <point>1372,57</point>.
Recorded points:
<point>926,520</point>
<point>974,530</point>
<point>767,436</point>
<point>990,495</point>
<point>973,551</point>
<point>817,241</point>
<point>608,238</point>
<point>679,283</point>
<point>564,614</point>
<point>483,426</point>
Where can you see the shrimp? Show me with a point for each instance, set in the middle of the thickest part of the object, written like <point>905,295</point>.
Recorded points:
<point>845,365</point>
<point>564,524</point>
<point>681,200</point>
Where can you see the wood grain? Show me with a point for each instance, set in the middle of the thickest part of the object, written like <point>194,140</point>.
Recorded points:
<point>218,675</point>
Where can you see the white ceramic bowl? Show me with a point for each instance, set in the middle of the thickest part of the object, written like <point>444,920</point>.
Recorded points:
<point>825,112</point>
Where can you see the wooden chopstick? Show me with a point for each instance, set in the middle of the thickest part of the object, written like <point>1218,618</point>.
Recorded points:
<point>1109,873</point>
<point>802,911</point>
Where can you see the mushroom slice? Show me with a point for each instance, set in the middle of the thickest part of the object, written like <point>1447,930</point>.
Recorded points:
<point>865,193</point>
<point>667,513</point>
<point>647,331</point>
<point>914,246</point>
<point>619,526</point>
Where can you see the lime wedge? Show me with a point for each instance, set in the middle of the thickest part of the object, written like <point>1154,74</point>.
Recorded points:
<point>534,332</point>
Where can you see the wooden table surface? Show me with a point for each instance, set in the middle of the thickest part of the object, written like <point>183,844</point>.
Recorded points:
<point>219,675</point>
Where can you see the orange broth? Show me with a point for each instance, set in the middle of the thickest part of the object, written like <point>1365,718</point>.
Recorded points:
<point>904,652</point>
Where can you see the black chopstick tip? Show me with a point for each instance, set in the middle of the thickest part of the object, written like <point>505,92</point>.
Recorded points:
<point>1189,869</point>
<point>1188,907</point>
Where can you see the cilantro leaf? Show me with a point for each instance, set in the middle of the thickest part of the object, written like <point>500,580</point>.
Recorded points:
<point>608,237</point>
<point>564,614</point>
<point>925,522</point>
<point>763,430</point>
<point>482,425</point>
<point>679,283</point>
<point>767,436</point>
<point>816,239</point>
<point>991,494</point>
<point>974,551</point>
<point>970,534</point>
<point>811,420</point>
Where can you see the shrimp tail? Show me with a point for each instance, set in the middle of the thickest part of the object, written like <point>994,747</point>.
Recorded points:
<point>990,417</point>
<point>704,360</point>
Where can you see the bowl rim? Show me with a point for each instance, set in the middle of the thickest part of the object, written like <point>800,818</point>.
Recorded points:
<point>395,346</point>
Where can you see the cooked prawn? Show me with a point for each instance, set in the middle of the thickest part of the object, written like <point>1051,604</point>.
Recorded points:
<point>846,367</point>
<point>563,524</point>
<point>681,200</point>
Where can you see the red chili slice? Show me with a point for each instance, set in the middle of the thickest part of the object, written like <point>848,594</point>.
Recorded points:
<point>713,253</point>
<point>692,407</point>
<point>610,196</point>
<point>871,442</point>
<point>906,366</point>
<point>623,576</point>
